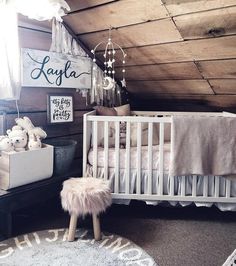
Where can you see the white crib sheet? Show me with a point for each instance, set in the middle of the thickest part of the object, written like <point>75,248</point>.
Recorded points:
<point>133,157</point>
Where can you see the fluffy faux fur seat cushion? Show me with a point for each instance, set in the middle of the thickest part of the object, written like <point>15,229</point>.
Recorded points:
<point>83,196</point>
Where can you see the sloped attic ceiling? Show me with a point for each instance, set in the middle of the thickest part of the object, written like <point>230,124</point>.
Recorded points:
<point>182,51</point>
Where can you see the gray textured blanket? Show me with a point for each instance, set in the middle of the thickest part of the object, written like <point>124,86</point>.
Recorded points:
<point>203,146</point>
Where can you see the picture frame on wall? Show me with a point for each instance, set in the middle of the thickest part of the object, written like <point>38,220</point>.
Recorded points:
<point>60,108</point>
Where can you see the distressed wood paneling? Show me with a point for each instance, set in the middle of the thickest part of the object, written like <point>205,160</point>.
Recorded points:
<point>59,130</point>
<point>205,49</point>
<point>78,5</point>
<point>162,71</point>
<point>212,23</point>
<point>218,68</point>
<point>177,7</point>
<point>223,86</point>
<point>34,39</point>
<point>153,32</point>
<point>116,14</point>
<point>35,99</point>
<point>150,88</point>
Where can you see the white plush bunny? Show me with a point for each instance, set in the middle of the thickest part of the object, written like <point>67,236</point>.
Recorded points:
<point>26,124</point>
<point>34,142</point>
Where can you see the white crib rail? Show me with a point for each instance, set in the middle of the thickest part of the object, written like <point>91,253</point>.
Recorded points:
<point>161,119</point>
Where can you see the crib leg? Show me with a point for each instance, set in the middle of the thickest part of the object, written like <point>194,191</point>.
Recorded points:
<point>96,227</point>
<point>72,227</point>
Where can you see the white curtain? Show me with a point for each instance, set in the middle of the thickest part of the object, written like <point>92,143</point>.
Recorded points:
<point>9,54</point>
<point>62,41</point>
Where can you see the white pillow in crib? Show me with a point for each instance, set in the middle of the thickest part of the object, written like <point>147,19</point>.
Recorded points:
<point>123,110</point>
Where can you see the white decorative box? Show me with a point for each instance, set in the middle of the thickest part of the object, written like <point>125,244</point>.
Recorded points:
<point>20,168</point>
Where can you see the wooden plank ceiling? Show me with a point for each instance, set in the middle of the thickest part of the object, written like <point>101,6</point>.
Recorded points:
<point>176,48</point>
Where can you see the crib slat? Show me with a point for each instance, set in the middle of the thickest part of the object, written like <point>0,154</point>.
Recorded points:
<point>161,158</point>
<point>228,188</point>
<point>183,186</point>
<point>95,148</point>
<point>217,186</point>
<point>172,183</point>
<point>194,186</point>
<point>117,155</point>
<point>106,142</point>
<point>205,186</point>
<point>150,141</point>
<point>127,166</point>
<point>139,158</point>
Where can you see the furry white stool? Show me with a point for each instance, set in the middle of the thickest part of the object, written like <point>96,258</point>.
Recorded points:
<point>81,196</point>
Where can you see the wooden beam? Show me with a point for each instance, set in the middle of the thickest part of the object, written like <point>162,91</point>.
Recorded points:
<point>210,24</point>
<point>223,86</point>
<point>218,68</point>
<point>151,88</point>
<point>178,7</point>
<point>153,32</point>
<point>76,5</point>
<point>116,14</point>
<point>162,71</point>
<point>195,50</point>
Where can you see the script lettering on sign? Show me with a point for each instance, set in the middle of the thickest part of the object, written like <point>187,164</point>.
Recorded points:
<point>49,69</point>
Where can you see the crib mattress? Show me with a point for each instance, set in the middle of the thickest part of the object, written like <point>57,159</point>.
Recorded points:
<point>133,157</point>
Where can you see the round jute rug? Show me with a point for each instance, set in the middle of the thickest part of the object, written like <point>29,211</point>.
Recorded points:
<point>50,247</point>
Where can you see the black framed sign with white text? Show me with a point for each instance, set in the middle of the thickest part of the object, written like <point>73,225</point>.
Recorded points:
<point>60,108</point>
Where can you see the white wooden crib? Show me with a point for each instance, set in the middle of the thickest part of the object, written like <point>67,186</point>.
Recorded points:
<point>157,187</point>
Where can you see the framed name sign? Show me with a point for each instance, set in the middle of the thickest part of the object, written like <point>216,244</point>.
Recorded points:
<point>49,69</point>
<point>60,108</point>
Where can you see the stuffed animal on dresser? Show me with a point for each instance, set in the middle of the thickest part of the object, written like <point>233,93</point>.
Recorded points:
<point>19,138</point>
<point>35,133</point>
<point>32,131</point>
<point>34,142</point>
<point>6,144</point>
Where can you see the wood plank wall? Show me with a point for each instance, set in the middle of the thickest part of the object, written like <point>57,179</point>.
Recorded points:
<point>33,101</point>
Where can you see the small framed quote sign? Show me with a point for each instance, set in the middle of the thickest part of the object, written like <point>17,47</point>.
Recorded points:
<point>60,108</point>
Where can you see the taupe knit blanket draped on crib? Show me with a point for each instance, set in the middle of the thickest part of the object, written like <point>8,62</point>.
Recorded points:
<point>203,146</point>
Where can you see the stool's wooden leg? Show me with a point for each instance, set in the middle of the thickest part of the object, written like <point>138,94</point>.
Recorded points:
<point>96,227</point>
<point>72,227</point>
